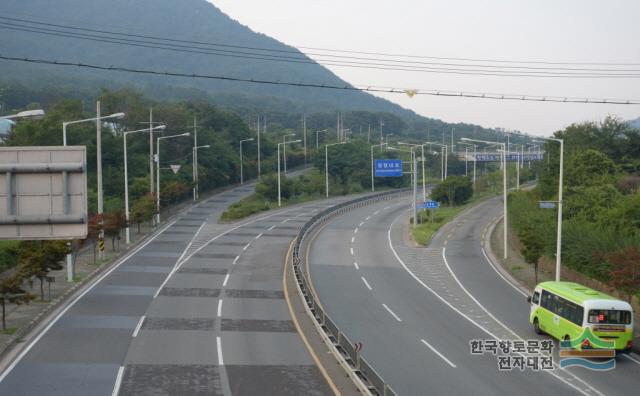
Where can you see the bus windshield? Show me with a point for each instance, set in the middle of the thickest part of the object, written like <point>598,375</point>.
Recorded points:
<point>607,316</point>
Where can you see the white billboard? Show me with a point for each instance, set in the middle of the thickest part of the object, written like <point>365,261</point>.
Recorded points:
<point>43,192</point>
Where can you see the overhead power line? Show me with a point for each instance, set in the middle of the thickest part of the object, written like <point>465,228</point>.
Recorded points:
<point>410,92</point>
<point>339,51</point>
<point>276,55</point>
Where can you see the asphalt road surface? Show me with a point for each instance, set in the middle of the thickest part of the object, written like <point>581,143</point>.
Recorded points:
<point>198,309</point>
<point>416,310</point>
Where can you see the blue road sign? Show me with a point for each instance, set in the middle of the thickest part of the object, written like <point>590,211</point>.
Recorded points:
<point>547,205</point>
<point>428,205</point>
<point>388,168</point>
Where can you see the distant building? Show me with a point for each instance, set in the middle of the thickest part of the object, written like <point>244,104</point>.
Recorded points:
<point>5,128</point>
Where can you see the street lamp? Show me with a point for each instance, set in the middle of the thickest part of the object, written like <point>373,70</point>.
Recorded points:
<point>64,124</point>
<point>241,167</point>
<point>326,166</point>
<point>285,145</point>
<point>466,153</point>
<point>444,160</point>
<point>33,114</point>
<point>414,180</point>
<point>317,132</point>
<point>504,184</point>
<point>126,179</point>
<point>158,170</point>
<point>284,140</point>
<point>97,119</point>
<point>195,175</point>
<point>559,231</point>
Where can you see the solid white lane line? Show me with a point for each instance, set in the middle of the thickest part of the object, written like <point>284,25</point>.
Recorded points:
<point>272,227</point>
<point>392,313</point>
<point>235,260</point>
<point>366,283</point>
<point>472,321</point>
<point>246,246</point>
<point>356,265</point>
<point>499,274</point>
<point>116,386</point>
<point>438,353</point>
<point>179,262</point>
<point>630,358</point>
<point>219,308</point>
<point>351,250</point>
<point>226,279</point>
<point>355,231</point>
<point>87,290</point>
<point>353,239</point>
<point>138,326</point>
<point>219,345</point>
<point>259,235</point>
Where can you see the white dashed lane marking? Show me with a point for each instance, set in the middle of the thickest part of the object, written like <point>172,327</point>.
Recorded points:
<point>366,283</point>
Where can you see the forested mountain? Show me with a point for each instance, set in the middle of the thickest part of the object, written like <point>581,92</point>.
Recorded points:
<point>190,20</point>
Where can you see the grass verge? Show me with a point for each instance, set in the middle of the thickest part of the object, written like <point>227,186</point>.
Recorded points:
<point>430,221</point>
<point>256,203</point>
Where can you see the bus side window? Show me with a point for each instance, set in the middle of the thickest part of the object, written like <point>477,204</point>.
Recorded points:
<point>536,298</point>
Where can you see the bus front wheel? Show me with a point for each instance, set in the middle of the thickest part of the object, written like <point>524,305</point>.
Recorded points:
<point>536,326</point>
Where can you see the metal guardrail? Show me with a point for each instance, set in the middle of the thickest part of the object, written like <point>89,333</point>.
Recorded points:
<point>350,355</point>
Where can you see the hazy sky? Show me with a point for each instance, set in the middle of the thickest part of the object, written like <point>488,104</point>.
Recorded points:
<point>541,30</point>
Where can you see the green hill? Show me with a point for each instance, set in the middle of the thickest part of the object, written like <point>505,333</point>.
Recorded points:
<point>189,20</point>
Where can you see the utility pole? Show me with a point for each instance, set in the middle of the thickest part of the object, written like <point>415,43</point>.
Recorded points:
<point>452,129</point>
<point>258,147</point>
<point>369,135</point>
<point>195,159</point>
<point>99,172</point>
<point>381,139</point>
<point>304,133</point>
<point>151,186</point>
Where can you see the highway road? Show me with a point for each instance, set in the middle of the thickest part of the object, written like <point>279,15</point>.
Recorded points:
<point>197,309</point>
<point>416,310</point>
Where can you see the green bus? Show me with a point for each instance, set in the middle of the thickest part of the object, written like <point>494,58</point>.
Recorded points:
<point>564,309</point>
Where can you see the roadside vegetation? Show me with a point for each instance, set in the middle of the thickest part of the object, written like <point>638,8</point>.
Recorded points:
<point>455,195</point>
<point>601,216</point>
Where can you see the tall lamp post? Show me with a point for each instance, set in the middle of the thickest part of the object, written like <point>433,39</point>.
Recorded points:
<point>444,160</point>
<point>127,231</point>
<point>282,144</point>
<point>97,119</point>
<point>195,175</point>
<point>414,179</point>
<point>241,167</point>
<point>326,166</point>
<point>284,147</point>
<point>560,186</point>
<point>317,132</point>
<point>466,153</point>
<point>158,170</point>
<point>504,185</point>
